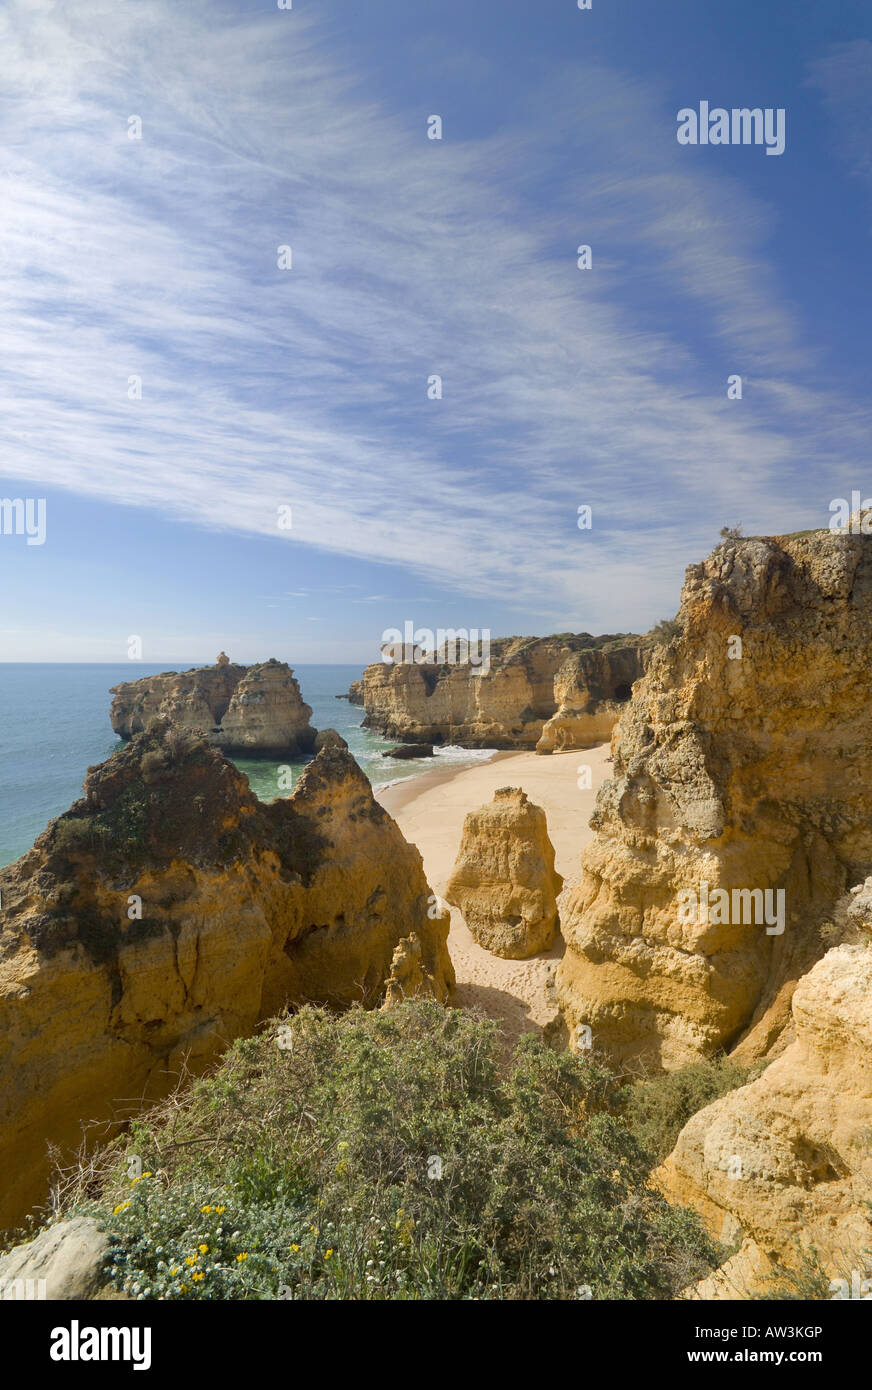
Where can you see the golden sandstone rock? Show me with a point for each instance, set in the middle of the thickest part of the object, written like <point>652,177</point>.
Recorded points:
<point>504,881</point>
<point>591,689</point>
<point>256,711</point>
<point>409,977</point>
<point>785,1162</point>
<point>168,912</point>
<point>562,692</point>
<point>741,764</point>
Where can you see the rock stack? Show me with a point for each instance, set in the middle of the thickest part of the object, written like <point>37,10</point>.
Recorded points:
<point>504,881</point>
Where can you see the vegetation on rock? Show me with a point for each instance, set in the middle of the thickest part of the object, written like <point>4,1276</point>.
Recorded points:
<point>386,1156</point>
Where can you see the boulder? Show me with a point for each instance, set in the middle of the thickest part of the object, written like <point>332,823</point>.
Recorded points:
<point>411,750</point>
<point>65,1261</point>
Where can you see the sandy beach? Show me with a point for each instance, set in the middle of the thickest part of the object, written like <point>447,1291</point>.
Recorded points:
<point>430,809</point>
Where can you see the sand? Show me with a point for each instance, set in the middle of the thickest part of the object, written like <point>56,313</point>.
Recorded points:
<point>430,809</point>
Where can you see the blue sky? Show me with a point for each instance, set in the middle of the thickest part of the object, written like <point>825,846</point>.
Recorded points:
<point>263,387</point>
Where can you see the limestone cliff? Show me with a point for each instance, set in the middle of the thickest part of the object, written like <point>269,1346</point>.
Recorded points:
<point>254,711</point>
<point>551,692</point>
<point>785,1162</point>
<point>591,689</point>
<point>741,764</point>
<point>167,913</point>
<point>504,881</point>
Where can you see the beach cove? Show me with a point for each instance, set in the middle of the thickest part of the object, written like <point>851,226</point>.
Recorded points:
<point>430,810</point>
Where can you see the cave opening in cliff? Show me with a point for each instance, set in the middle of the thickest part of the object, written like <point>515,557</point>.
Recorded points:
<point>623,692</point>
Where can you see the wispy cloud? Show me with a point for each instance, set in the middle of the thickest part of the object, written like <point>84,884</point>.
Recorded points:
<point>157,258</point>
<point>843,76</point>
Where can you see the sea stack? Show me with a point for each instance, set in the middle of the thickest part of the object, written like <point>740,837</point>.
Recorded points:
<point>246,711</point>
<point>504,881</point>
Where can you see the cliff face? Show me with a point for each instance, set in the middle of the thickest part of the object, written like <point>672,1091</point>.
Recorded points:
<point>591,689</point>
<point>785,1162</point>
<point>247,710</point>
<point>572,685</point>
<point>740,764</point>
<point>237,909</point>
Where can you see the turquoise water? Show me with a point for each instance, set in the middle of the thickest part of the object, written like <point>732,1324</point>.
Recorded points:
<point>54,723</point>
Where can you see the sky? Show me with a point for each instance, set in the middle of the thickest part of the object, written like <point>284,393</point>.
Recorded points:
<point>172,381</point>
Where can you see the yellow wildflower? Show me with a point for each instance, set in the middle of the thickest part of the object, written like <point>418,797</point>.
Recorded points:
<point>174,1270</point>
<point>243,1256</point>
<point>204,1249</point>
<point>191,1259</point>
<point>295,1248</point>
<point>220,1209</point>
<point>204,1210</point>
<point>327,1254</point>
<point>198,1277</point>
<point>121,1207</point>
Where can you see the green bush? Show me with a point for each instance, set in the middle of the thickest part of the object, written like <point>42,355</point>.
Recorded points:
<point>657,1109</point>
<point>806,1279</point>
<point>385,1155</point>
<point>664,631</point>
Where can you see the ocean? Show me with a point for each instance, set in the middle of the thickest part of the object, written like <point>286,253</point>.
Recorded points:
<point>54,724</point>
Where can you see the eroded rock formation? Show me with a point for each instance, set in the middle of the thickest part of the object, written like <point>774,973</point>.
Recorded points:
<point>254,711</point>
<point>167,913</point>
<point>504,881</point>
<point>410,978</point>
<point>329,738</point>
<point>785,1163</point>
<point>741,764</point>
<point>591,689</point>
<point>572,685</point>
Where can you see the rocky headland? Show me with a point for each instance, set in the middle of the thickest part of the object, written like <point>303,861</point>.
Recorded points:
<point>247,711</point>
<point>547,693</point>
<point>168,912</point>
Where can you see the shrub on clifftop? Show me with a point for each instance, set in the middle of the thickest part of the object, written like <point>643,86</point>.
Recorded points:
<point>384,1156</point>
